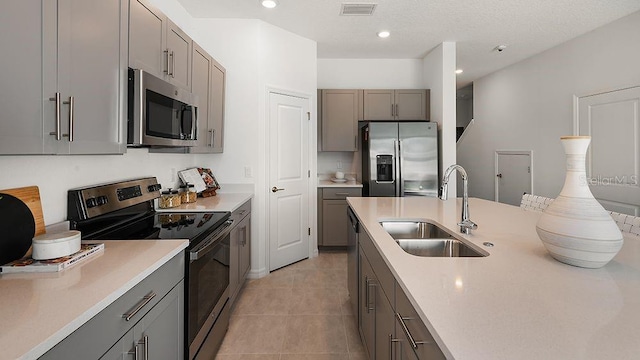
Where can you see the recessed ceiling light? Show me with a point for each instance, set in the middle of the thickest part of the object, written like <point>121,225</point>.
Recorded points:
<point>500,48</point>
<point>459,71</point>
<point>384,34</point>
<point>269,4</point>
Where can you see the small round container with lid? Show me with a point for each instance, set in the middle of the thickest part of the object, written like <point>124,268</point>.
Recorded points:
<point>188,193</point>
<point>51,246</point>
<point>169,199</point>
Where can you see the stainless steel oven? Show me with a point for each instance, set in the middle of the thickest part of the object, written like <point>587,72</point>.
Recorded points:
<point>208,274</point>
<point>125,211</point>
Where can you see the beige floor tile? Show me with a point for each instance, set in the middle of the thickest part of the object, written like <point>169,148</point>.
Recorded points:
<point>358,356</point>
<point>353,336</point>
<point>345,303</point>
<point>249,357</point>
<point>315,301</point>
<point>278,278</point>
<point>314,357</point>
<point>314,334</point>
<point>260,300</point>
<point>334,278</point>
<point>254,334</point>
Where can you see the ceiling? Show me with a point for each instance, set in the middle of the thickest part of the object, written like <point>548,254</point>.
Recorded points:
<point>417,26</point>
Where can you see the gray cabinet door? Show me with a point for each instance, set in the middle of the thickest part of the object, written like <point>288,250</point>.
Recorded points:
<point>161,330</point>
<point>385,327</point>
<point>334,223</point>
<point>201,87</point>
<point>379,105</point>
<point>340,113</point>
<point>92,74</point>
<point>411,105</point>
<point>367,308</point>
<point>179,60</point>
<point>244,239</point>
<point>27,32</point>
<point>216,116</point>
<point>147,29</point>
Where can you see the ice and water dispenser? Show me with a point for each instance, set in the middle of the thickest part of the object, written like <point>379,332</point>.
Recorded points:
<point>384,168</point>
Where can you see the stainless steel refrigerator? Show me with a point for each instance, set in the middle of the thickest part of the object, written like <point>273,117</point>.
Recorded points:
<point>400,159</point>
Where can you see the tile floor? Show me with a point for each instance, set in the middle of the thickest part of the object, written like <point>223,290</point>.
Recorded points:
<point>300,312</point>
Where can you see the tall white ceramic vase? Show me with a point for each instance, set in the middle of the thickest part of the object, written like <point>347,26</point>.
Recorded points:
<point>575,228</point>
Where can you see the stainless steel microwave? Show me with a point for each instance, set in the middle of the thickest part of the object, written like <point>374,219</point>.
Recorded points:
<point>159,113</point>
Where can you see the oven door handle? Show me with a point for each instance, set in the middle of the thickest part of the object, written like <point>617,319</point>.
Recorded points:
<point>220,233</point>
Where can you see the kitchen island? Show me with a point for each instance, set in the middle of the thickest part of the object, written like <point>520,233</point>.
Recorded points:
<point>518,302</point>
<point>40,309</point>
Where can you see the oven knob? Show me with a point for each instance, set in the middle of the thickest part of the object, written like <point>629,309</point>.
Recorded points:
<point>102,200</point>
<point>91,202</point>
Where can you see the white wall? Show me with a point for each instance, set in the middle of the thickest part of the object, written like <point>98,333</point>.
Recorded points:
<point>529,105</point>
<point>363,74</point>
<point>257,57</point>
<point>439,76</point>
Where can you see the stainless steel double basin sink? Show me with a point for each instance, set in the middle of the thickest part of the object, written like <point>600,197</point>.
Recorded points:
<point>422,238</point>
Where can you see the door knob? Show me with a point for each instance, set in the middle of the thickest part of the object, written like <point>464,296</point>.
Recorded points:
<point>275,189</point>
<point>499,175</point>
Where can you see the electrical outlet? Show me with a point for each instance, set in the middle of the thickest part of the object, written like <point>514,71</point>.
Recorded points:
<point>339,165</point>
<point>247,172</point>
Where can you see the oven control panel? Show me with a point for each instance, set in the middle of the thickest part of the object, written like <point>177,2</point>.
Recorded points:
<point>85,203</point>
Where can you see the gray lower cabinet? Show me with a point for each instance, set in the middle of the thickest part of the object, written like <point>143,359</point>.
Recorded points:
<point>147,322</point>
<point>66,90</point>
<point>240,252</point>
<point>333,221</point>
<point>390,327</point>
<point>339,112</point>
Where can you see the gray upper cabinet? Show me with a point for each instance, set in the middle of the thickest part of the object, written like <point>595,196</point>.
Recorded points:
<point>158,46</point>
<point>208,82</point>
<point>396,104</point>
<point>340,111</point>
<point>65,93</point>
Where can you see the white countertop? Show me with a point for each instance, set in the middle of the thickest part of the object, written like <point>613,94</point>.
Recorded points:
<point>329,183</point>
<point>220,202</point>
<point>39,310</point>
<point>518,302</point>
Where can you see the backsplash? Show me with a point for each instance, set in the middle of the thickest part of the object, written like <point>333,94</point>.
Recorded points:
<point>349,164</point>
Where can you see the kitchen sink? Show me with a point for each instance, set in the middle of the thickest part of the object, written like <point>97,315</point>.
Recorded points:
<point>422,238</point>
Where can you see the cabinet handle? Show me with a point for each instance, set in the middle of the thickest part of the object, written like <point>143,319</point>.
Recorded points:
<point>397,111</point>
<point>145,346</point>
<point>391,341</point>
<point>370,283</point>
<point>71,108</point>
<point>211,134</point>
<point>392,110</point>
<point>134,352</point>
<point>405,329</point>
<point>173,65</point>
<point>57,132</point>
<point>355,142</point>
<point>166,60</point>
<point>341,193</point>
<point>145,300</point>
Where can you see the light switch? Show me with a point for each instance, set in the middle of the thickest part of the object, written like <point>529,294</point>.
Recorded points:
<point>247,172</point>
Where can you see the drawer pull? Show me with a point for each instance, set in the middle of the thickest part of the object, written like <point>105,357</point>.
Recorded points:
<point>405,329</point>
<point>145,300</point>
<point>341,193</point>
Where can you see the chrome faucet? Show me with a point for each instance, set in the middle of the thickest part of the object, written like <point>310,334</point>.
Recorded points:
<point>466,225</point>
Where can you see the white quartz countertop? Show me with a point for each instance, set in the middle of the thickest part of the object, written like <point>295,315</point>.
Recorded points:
<point>518,302</point>
<point>39,310</point>
<point>348,183</point>
<point>220,202</point>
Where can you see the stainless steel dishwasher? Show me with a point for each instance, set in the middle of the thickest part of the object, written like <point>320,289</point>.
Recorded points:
<point>352,259</point>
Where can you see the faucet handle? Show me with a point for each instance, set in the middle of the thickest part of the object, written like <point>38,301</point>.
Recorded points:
<point>444,191</point>
<point>467,225</point>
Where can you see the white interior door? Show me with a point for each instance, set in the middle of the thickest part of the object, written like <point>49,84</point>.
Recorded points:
<point>612,120</point>
<point>513,176</point>
<point>288,180</point>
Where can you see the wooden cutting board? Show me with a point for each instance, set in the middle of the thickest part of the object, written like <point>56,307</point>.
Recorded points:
<point>30,195</point>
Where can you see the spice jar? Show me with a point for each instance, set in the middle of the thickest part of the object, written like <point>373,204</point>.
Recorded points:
<point>168,199</point>
<point>188,193</point>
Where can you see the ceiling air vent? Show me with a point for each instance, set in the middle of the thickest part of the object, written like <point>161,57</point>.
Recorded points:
<point>357,9</point>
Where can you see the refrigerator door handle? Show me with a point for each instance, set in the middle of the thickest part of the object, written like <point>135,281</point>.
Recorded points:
<point>400,183</point>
